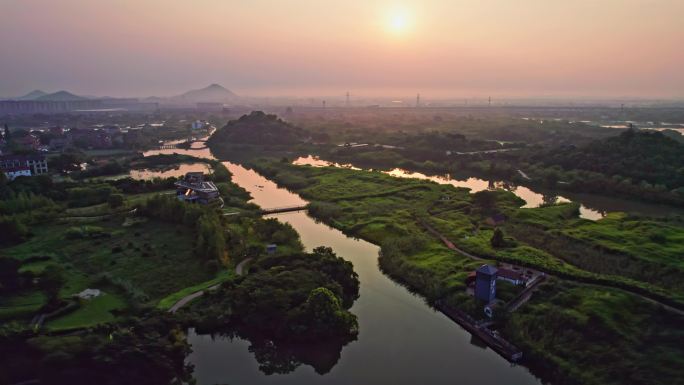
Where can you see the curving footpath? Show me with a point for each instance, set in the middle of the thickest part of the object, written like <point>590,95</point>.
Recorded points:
<point>239,270</point>
<point>453,247</point>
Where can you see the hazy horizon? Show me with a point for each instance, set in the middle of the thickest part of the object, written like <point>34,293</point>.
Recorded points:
<point>442,49</point>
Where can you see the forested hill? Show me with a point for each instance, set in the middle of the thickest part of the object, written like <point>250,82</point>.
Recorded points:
<point>638,155</point>
<point>258,128</point>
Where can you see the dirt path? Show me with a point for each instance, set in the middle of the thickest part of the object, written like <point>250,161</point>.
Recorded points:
<point>453,247</point>
<point>446,241</point>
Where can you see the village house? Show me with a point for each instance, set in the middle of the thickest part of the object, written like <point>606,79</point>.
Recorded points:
<point>17,165</point>
<point>194,189</point>
<point>29,142</point>
<point>511,276</point>
<point>56,130</point>
<point>86,138</point>
<point>15,172</point>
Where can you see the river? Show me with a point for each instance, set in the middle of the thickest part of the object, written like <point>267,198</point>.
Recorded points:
<point>401,339</point>
<point>592,207</point>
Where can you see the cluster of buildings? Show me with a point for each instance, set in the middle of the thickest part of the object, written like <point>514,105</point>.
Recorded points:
<point>14,166</point>
<point>199,125</point>
<point>93,106</point>
<point>194,189</point>
<point>98,138</point>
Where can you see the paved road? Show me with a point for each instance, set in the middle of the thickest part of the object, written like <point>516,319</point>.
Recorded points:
<point>524,175</point>
<point>184,301</point>
<point>239,270</point>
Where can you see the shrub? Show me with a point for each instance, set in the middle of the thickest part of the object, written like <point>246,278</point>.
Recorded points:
<point>85,232</point>
<point>115,200</point>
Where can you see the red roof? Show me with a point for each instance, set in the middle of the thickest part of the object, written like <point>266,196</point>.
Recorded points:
<point>16,169</point>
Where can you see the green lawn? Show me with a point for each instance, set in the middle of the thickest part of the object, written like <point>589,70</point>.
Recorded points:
<point>582,333</point>
<point>22,305</point>
<point>168,301</point>
<point>650,240</point>
<point>91,313</point>
<point>152,258</point>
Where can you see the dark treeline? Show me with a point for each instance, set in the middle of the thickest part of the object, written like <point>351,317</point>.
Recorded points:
<point>258,128</point>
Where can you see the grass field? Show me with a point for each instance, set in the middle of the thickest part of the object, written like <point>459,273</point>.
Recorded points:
<point>90,313</point>
<point>168,301</point>
<point>22,305</point>
<point>145,262</point>
<point>574,331</point>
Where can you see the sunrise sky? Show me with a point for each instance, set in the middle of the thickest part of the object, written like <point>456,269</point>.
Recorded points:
<point>449,48</point>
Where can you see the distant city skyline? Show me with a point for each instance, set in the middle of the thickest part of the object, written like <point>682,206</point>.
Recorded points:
<point>300,48</point>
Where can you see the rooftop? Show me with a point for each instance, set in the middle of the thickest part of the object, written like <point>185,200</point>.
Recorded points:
<point>202,186</point>
<point>487,269</point>
<point>510,274</point>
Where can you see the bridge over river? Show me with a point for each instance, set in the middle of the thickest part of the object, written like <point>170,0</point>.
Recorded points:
<point>284,209</point>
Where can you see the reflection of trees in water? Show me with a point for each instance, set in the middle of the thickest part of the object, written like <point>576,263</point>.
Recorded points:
<point>282,357</point>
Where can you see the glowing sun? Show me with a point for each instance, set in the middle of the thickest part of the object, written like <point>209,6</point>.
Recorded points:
<point>398,21</point>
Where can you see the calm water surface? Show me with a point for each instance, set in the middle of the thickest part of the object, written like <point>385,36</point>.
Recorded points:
<point>593,207</point>
<point>177,171</point>
<point>531,198</point>
<point>401,339</point>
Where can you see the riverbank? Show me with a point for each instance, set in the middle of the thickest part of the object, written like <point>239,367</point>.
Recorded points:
<point>436,274</point>
<point>424,343</point>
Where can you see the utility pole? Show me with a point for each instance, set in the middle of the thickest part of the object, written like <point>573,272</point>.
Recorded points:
<point>490,101</point>
<point>417,100</point>
<point>347,103</point>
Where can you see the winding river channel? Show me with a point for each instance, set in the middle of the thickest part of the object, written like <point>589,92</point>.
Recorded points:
<point>592,207</point>
<point>401,339</point>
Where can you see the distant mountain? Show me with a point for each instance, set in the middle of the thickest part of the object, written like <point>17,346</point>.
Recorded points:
<point>35,94</point>
<point>212,93</point>
<point>60,96</point>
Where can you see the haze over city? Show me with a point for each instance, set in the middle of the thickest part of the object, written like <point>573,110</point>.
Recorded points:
<point>339,192</point>
<point>445,49</point>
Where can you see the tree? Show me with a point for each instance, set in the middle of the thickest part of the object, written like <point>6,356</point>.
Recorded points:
<point>498,238</point>
<point>52,281</point>
<point>12,231</point>
<point>211,242</point>
<point>115,200</point>
<point>324,315</point>
<point>485,199</point>
<point>8,135</point>
<point>9,274</point>
<point>551,178</point>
